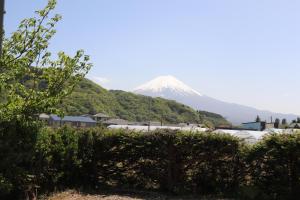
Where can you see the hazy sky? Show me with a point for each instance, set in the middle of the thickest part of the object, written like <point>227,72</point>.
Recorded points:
<point>242,51</point>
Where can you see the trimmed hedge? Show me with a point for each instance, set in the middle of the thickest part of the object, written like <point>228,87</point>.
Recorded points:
<point>17,141</point>
<point>168,161</point>
<point>274,167</point>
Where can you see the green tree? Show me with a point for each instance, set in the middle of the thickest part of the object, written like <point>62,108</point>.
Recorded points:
<point>201,117</point>
<point>32,82</point>
<point>257,119</point>
<point>277,123</point>
<point>284,122</point>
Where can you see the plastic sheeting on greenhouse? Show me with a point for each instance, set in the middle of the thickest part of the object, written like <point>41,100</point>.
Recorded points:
<point>152,128</point>
<point>252,137</point>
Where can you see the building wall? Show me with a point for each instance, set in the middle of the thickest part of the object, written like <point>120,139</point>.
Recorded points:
<point>254,126</point>
<point>270,125</point>
<point>54,124</point>
<point>80,124</point>
<point>57,124</point>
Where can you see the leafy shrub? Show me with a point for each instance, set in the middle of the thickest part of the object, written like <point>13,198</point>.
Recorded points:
<point>274,167</point>
<point>165,160</point>
<point>162,160</point>
<point>57,158</point>
<point>17,140</point>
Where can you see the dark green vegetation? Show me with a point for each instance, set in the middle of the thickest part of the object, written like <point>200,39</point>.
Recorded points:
<point>31,81</point>
<point>166,161</point>
<point>91,98</point>
<point>33,158</point>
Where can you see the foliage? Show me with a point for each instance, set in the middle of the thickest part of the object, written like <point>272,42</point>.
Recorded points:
<point>89,97</point>
<point>177,162</point>
<point>212,118</point>
<point>284,122</point>
<point>165,160</point>
<point>274,167</point>
<point>162,160</point>
<point>56,158</point>
<point>17,140</point>
<point>257,119</point>
<point>30,82</point>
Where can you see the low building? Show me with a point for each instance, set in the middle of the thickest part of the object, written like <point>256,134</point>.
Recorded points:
<point>73,121</point>
<point>152,123</point>
<point>294,126</point>
<point>44,117</point>
<point>256,126</point>
<point>115,122</point>
<point>270,125</point>
<point>101,117</point>
<point>190,125</point>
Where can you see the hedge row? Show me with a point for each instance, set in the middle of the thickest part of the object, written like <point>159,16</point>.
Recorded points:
<point>168,161</point>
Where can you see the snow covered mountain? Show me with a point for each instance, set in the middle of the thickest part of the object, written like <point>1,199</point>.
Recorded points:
<point>165,86</point>
<point>171,88</point>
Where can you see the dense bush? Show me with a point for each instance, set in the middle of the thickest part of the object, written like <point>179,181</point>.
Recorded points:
<point>17,144</point>
<point>169,161</point>
<point>56,158</point>
<point>274,167</point>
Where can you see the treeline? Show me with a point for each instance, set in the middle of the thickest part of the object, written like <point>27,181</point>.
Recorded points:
<point>280,123</point>
<point>48,160</point>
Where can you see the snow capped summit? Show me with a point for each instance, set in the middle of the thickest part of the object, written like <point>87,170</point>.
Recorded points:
<point>163,84</point>
<point>169,87</point>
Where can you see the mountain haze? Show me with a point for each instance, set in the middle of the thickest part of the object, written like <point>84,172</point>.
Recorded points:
<point>171,88</point>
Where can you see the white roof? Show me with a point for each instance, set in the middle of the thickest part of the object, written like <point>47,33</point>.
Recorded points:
<point>252,136</point>
<point>44,116</point>
<point>152,128</point>
<point>256,134</point>
<point>101,115</point>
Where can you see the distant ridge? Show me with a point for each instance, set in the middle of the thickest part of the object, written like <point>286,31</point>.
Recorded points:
<point>90,98</point>
<point>171,88</point>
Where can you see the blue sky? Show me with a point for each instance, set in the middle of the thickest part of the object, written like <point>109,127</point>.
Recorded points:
<point>242,51</point>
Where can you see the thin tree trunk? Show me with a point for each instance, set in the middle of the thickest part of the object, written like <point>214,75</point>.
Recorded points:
<point>2,11</point>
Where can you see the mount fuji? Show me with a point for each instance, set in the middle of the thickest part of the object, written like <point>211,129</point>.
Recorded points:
<point>166,86</point>
<point>169,87</point>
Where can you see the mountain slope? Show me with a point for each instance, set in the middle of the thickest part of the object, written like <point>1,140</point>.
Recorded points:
<point>169,88</point>
<point>89,97</point>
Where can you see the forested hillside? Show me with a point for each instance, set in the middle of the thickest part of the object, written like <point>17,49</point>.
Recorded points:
<point>89,97</point>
